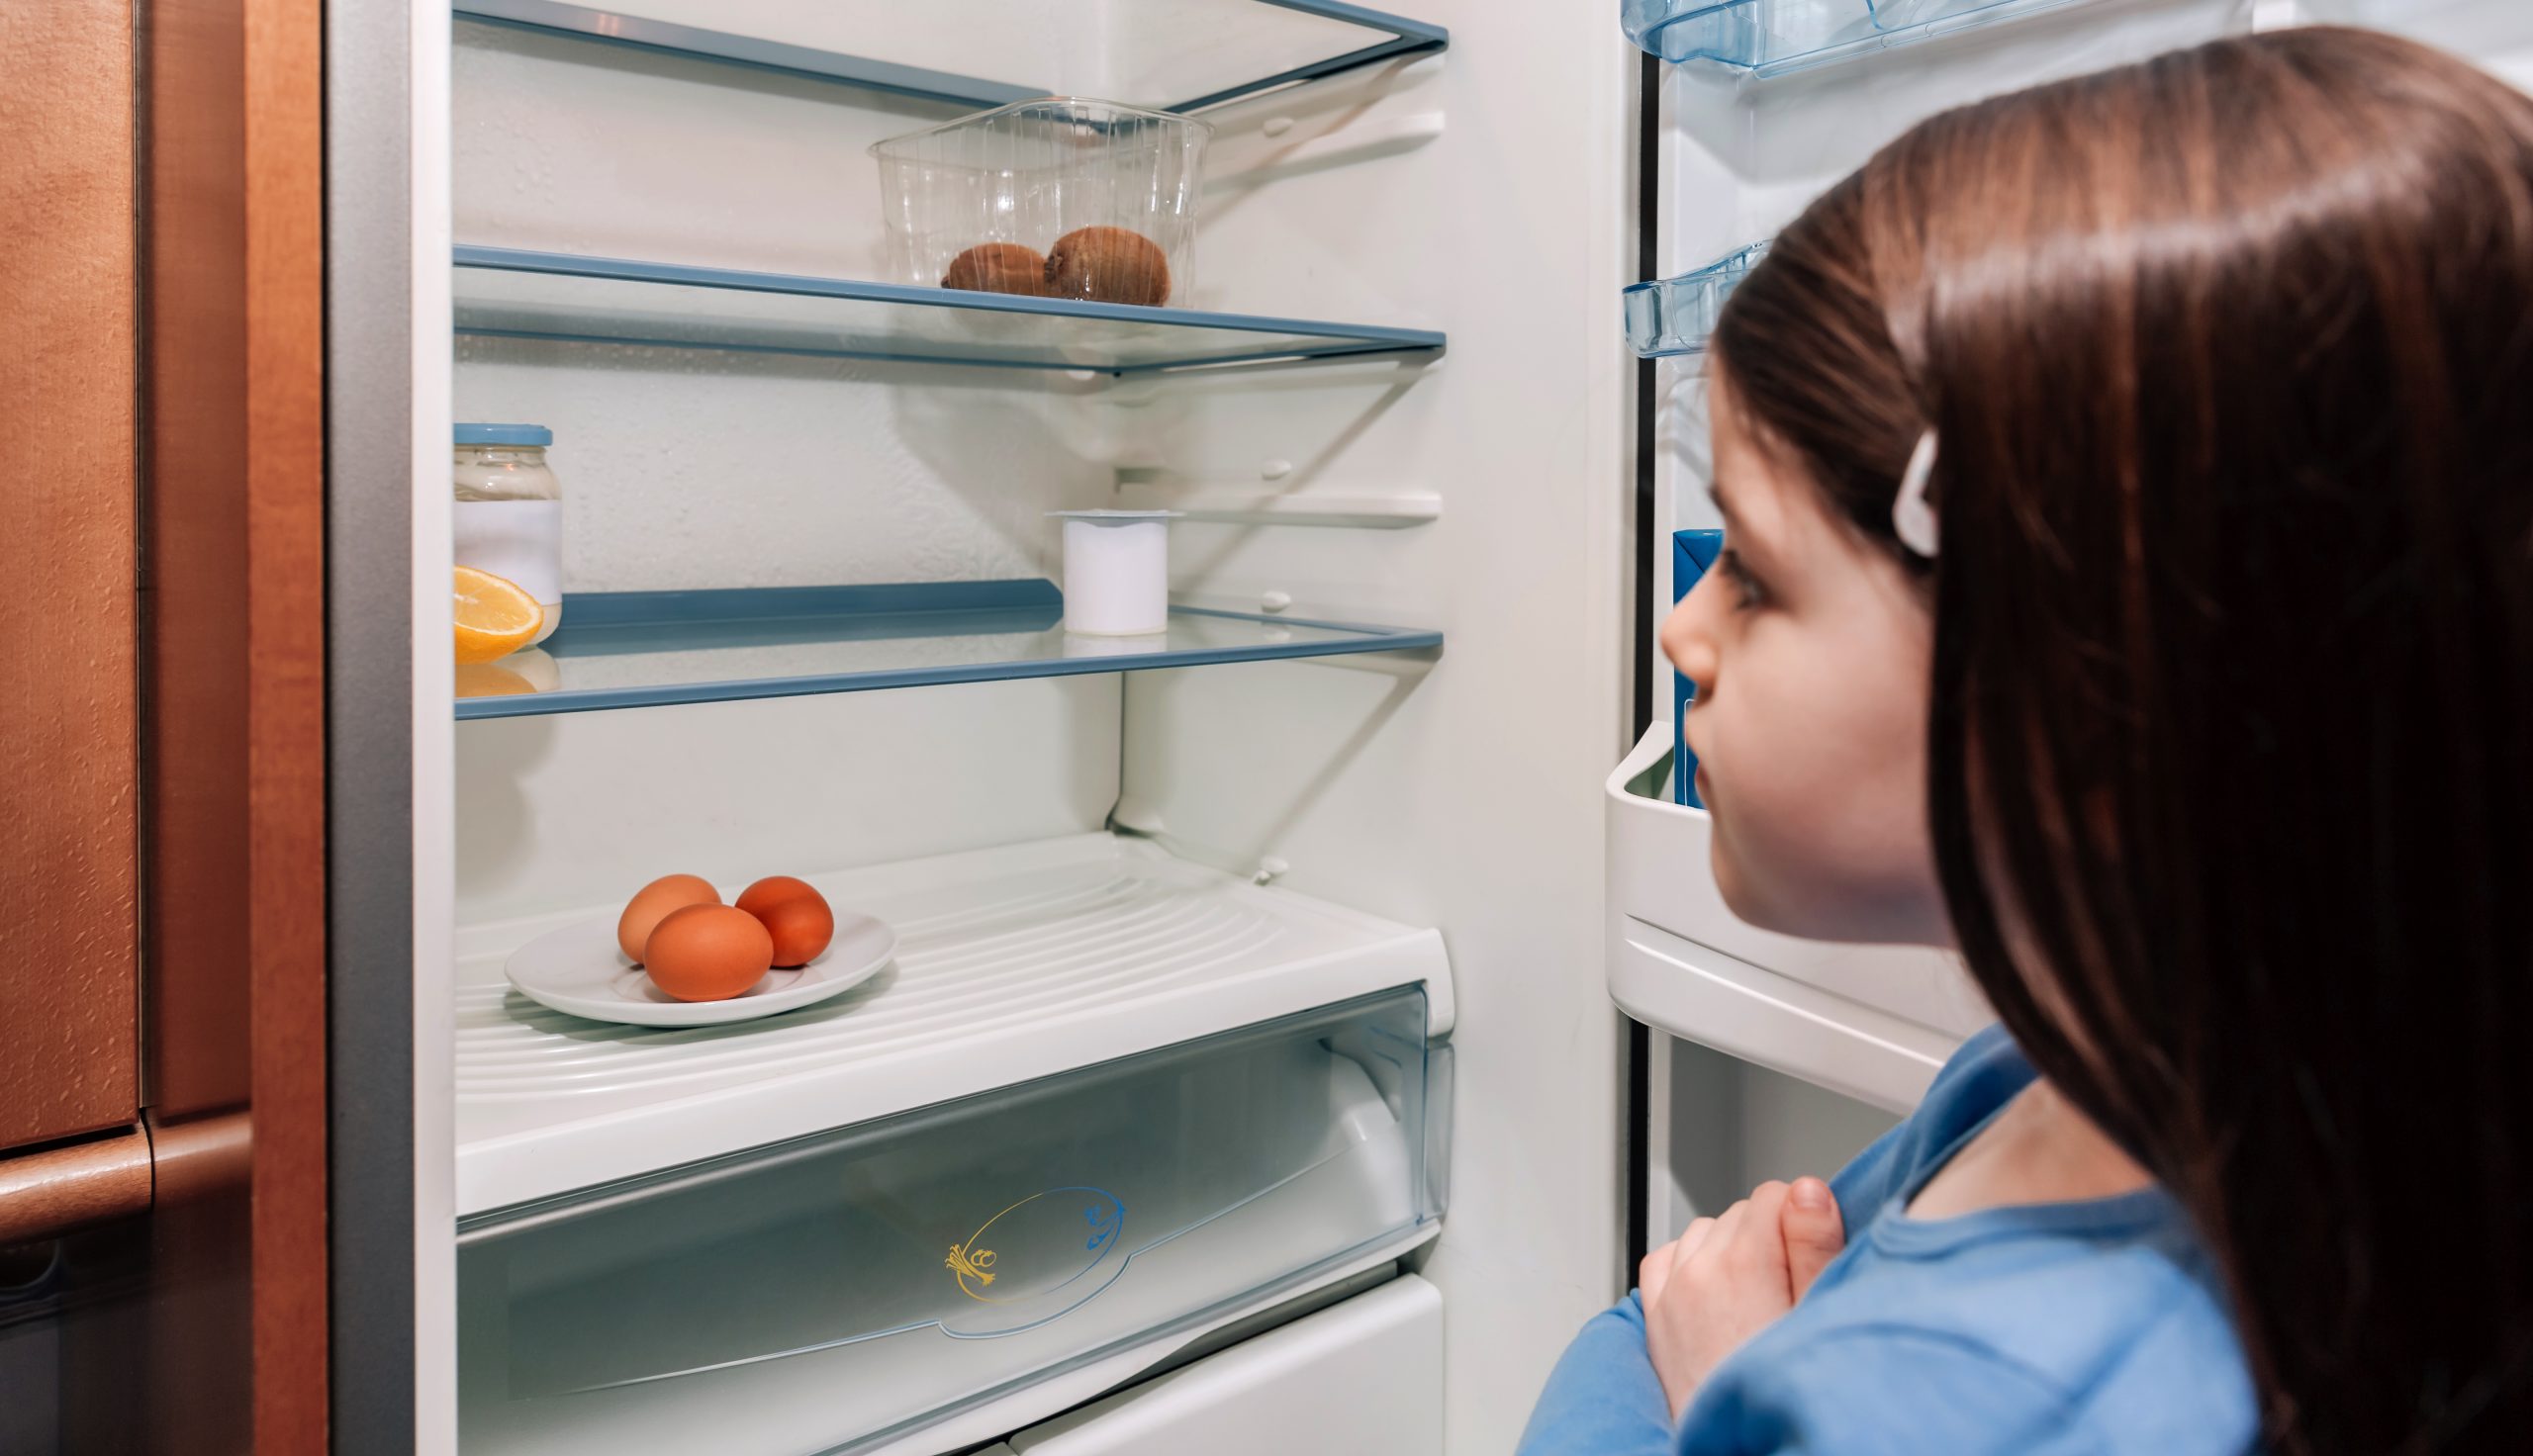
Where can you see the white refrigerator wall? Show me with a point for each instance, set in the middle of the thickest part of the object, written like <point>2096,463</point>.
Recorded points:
<point>1491,198</point>
<point>684,469</point>
<point>1485,191</point>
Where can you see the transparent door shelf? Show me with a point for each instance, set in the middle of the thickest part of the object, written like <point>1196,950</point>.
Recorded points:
<point>648,649</point>
<point>1867,1022</point>
<point>1676,315</point>
<point>1168,54</point>
<point>1773,37</point>
<point>1015,962</point>
<point>515,293</point>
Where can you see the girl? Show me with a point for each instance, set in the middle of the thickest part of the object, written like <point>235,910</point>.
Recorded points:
<point>2130,491</point>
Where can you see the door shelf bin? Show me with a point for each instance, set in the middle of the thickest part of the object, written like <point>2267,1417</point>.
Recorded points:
<point>1670,316</point>
<point>1869,1022</point>
<point>841,1289</point>
<point>1769,37</point>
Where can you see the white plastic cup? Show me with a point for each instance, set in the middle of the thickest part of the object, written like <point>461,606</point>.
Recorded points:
<point>1117,571</point>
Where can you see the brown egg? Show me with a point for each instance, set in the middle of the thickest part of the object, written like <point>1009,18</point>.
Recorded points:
<point>653,903</point>
<point>708,953</point>
<point>1110,265</point>
<point>998,267</point>
<point>796,915</point>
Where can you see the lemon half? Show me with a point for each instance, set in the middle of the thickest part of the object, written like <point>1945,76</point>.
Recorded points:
<point>496,616</point>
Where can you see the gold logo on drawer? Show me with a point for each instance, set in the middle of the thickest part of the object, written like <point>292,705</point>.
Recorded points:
<point>1065,1234</point>
<point>978,1266</point>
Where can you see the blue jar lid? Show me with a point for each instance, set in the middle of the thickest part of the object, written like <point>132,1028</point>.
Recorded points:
<point>504,435</point>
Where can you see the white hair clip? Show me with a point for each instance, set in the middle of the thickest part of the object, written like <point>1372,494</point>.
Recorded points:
<point>1910,517</point>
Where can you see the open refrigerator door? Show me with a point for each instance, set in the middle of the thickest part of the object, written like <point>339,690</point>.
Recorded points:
<point>1759,105</point>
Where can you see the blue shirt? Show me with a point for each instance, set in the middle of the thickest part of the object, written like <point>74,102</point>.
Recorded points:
<point>2049,1329</point>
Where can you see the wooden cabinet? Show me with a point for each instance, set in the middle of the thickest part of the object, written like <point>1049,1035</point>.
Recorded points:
<point>163,752</point>
<point>69,764</point>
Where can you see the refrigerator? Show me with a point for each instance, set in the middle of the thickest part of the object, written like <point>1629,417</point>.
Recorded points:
<point>1298,1021</point>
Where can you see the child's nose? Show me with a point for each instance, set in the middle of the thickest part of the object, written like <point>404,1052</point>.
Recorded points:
<point>1688,638</point>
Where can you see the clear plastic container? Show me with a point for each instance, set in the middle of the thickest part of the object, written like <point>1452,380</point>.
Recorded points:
<point>1061,198</point>
<point>508,514</point>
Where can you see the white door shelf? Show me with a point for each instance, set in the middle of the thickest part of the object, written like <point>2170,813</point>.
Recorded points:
<point>1014,963</point>
<point>1870,1022</point>
<point>517,293</point>
<point>1165,55</point>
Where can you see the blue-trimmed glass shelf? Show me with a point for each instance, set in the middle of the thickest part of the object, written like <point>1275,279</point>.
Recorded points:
<point>1167,55</point>
<point>1769,37</point>
<point>510,292</point>
<point>1676,315</point>
<point>646,649</point>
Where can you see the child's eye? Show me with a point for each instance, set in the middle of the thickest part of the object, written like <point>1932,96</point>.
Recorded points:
<point>1745,587</point>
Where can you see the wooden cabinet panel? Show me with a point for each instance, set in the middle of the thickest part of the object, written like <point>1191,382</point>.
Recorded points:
<point>235,627</point>
<point>69,670</point>
<point>190,1252</point>
<point>194,193</point>
<point>286,726</point>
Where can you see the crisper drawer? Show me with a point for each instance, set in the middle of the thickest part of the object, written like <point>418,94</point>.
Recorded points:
<point>837,1289</point>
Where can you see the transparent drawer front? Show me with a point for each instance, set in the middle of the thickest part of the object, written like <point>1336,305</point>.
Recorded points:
<point>820,1293</point>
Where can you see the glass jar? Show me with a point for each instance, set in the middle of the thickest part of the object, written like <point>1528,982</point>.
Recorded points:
<point>509,516</point>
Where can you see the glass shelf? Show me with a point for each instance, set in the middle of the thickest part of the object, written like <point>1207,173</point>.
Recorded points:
<point>1167,55</point>
<point>511,292</point>
<point>1676,315</point>
<point>645,649</point>
<point>1769,37</point>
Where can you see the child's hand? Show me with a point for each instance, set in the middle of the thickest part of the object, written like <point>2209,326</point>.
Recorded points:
<point>1726,1279</point>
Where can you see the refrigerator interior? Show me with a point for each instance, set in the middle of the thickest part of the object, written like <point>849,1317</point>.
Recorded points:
<point>1118,863</point>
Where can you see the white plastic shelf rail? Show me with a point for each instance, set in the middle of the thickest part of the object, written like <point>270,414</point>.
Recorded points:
<point>1013,964</point>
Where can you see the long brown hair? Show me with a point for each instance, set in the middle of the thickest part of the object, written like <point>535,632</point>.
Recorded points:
<point>2230,357</point>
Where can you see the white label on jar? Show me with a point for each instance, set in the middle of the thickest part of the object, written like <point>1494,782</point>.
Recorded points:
<point>519,539</point>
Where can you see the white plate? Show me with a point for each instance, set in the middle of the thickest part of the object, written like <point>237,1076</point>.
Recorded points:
<point>578,971</point>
